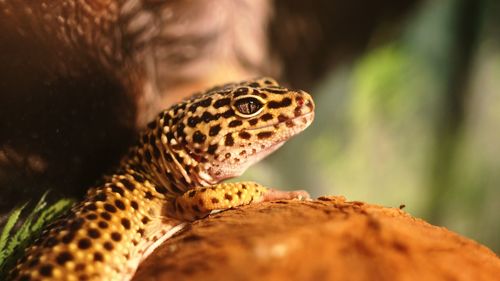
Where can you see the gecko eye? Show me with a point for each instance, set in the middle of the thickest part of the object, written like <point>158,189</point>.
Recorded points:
<point>248,106</point>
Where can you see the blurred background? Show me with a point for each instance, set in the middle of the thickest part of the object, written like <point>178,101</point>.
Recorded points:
<point>408,105</point>
<point>413,119</point>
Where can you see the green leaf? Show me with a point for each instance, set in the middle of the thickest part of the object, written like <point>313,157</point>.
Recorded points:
<point>4,237</point>
<point>12,243</point>
<point>50,213</point>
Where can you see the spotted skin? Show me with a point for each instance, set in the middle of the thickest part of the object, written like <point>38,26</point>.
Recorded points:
<point>172,176</point>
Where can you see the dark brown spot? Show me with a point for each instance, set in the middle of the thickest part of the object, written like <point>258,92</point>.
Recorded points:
<point>145,220</point>
<point>243,152</point>
<point>139,177</point>
<point>266,117</point>
<point>208,117</point>
<point>228,197</point>
<point>91,217</point>
<point>106,216</point>
<point>110,208</point>
<point>193,121</point>
<point>240,91</point>
<point>125,223</point>
<point>194,106</point>
<point>116,236</point>
<point>278,104</point>
<point>68,237</point>
<point>282,118</point>
<point>206,102</point>
<point>199,137</point>
<point>192,193</point>
<point>214,130</point>
<point>235,123</point>
<point>79,267</point>
<point>253,122</point>
<point>46,270</point>
<point>84,243</point>
<point>229,141</point>
<point>228,113</point>
<point>228,155</point>
<point>148,195</point>
<point>269,82</point>
<point>215,200</point>
<point>119,204</point>
<point>264,135</point>
<point>94,233</point>
<point>98,256</point>
<point>91,207</point>
<point>128,185</point>
<point>222,102</point>
<point>100,197</point>
<point>239,193</point>
<point>244,135</point>
<point>134,205</point>
<point>141,231</point>
<point>63,257</point>
<point>102,224</point>
<point>161,189</point>
<point>117,189</point>
<point>262,95</point>
<point>297,111</point>
<point>108,245</point>
<point>212,148</point>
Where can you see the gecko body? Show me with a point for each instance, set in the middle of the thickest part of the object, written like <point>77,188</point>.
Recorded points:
<point>171,177</point>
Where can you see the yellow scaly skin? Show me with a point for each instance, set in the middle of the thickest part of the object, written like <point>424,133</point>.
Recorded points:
<point>170,178</point>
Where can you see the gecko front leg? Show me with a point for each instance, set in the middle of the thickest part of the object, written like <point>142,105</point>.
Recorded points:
<point>198,203</point>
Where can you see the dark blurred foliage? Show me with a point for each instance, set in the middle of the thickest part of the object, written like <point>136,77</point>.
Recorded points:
<point>311,37</point>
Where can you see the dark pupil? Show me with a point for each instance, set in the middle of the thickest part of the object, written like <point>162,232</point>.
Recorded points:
<point>248,105</point>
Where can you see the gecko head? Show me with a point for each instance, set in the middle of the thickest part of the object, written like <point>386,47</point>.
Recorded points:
<point>233,126</point>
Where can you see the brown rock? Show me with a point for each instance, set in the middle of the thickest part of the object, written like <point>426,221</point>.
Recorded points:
<point>324,239</point>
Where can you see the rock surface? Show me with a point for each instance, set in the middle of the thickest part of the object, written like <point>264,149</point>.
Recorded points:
<point>324,239</point>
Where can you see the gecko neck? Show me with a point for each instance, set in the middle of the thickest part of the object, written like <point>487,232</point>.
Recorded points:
<point>168,167</point>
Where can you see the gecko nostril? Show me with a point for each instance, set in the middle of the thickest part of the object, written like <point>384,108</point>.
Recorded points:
<point>300,101</point>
